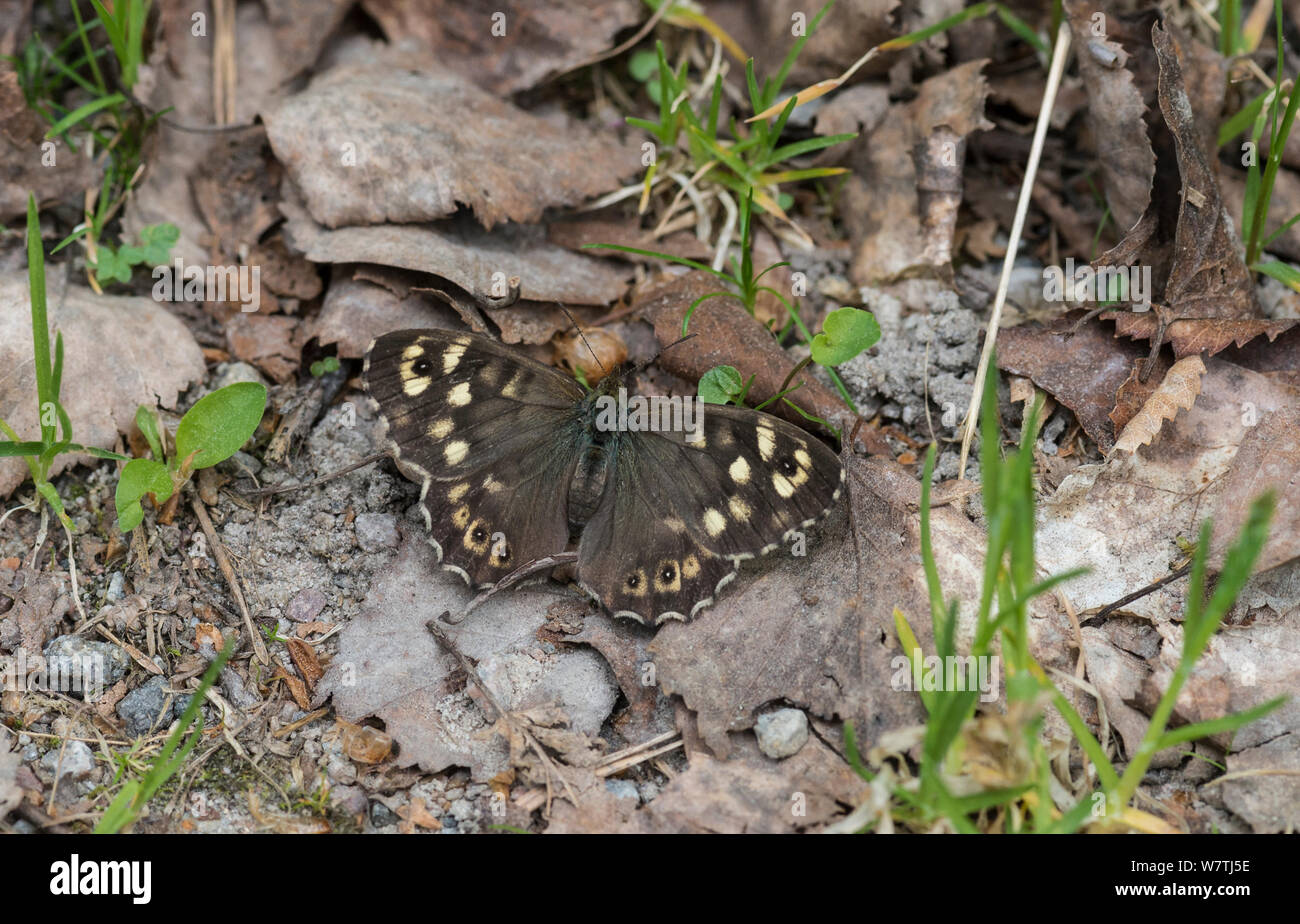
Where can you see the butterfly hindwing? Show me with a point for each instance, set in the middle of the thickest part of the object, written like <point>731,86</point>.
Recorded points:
<point>677,516</point>
<point>492,438</point>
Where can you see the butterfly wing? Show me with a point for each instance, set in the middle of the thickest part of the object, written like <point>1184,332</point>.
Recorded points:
<point>677,517</point>
<point>490,435</point>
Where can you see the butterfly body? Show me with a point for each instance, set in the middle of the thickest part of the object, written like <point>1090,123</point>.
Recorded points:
<point>516,460</point>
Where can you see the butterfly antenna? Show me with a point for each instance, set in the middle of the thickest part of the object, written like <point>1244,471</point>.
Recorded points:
<point>654,358</point>
<point>587,343</point>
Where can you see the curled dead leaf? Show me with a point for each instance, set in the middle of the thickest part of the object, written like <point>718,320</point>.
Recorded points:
<point>597,356</point>
<point>1178,391</point>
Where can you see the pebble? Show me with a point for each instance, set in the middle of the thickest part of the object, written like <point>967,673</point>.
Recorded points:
<point>306,605</point>
<point>381,816</point>
<point>114,592</point>
<point>376,531</point>
<point>781,733</point>
<point>77,763</point>
<point>141,706</point>
<point>623,789</point>
<point>77,659</point>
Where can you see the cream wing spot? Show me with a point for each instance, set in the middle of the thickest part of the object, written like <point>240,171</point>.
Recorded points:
<point>451,359</point>
<point>459,396</point>
<point>739,509</point>
<point>714,522</point>
<point>739,470</point>
<point>457,491</point>
<point>440,429</point>
<point>690,567</point>
<point>783,485</point>
<point>511,388</point>
<point>801,456</point>
<point>766,441</point>
<point>455,452</point>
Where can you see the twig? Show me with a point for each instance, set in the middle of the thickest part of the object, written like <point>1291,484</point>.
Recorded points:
<point>283,489</point>
<point>1137,595</point>
<point>1013,243</point>
<point>472,672</point>
<point>219,554</point>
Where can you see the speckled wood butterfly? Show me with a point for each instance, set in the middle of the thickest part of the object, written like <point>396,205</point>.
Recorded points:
<point>513,465</point>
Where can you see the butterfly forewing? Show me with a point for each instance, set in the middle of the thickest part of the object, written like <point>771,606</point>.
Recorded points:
<point>492,437</point>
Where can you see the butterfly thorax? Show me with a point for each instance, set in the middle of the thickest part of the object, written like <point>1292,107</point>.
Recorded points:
<point>590,475</point>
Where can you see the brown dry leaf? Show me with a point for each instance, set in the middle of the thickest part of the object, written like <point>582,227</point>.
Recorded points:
<point>1115,116</point>
<point>236,186</point>
<point>1135,393</point>
<point>390,667</point>
<point>534,41</point>
<point>266,341</point>
<point>417,814</point>
<point>534,323</point>
<point>459,251</point>
<point>205,633</point>
<point>901,211</point>
<point>1083,372</point>
<point>386,135</point>
<point>50,171</point>
<point>284,273</point>
<point>1268,459</point>
<point>39,600</point>
<point>1186,235</point>
<point>119,352</point>
<point>624,648</point>
<point>576,233</point>
<point>1209,278</point>
<point>1197,335</point>
<point>356,311</point>
<point>1177,392</point>
<point>304,658</point>
<point>297,689</point>
<point>727,335</point>
<point>301,29</point>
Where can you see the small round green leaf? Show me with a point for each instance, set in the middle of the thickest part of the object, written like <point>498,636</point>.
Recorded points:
<point>643,65</point>
<point>140,477</point>
<point>720,385</point>
<point>220,423</point>
<point>846,333</point>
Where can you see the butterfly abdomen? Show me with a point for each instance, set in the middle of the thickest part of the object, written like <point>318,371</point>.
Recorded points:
<point>587,485</point>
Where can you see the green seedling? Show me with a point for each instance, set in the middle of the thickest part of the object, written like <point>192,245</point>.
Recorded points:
<point>210,432</point>
<point>323,366</point>
<point>130,802</point>
<point>56,426</point>
<point>744,160</point>
<point>97,57</point>
<point>154,249</point>
<point>1010,582</point>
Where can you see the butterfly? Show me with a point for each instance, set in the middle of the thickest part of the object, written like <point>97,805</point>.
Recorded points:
<point>516,459</point>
